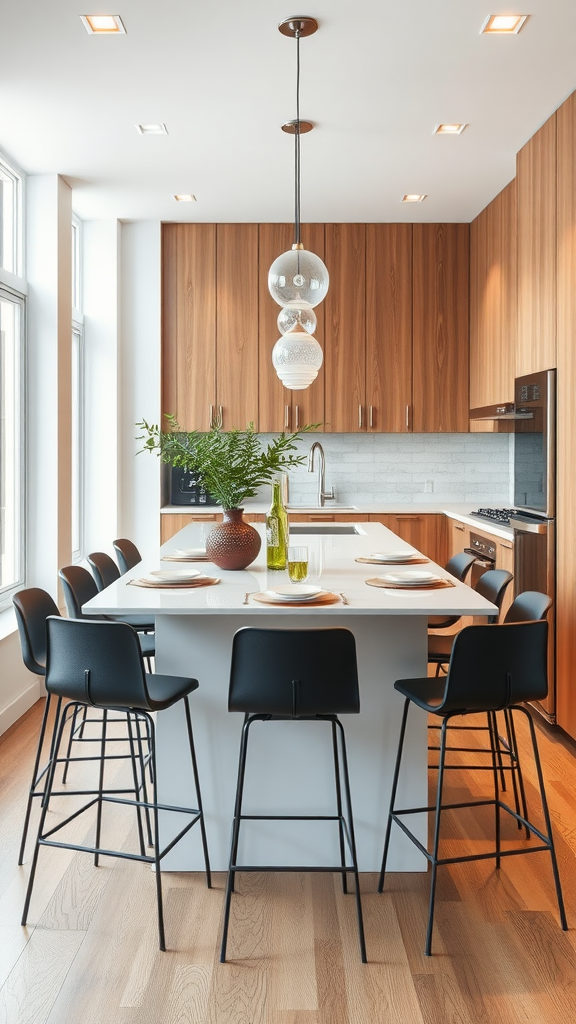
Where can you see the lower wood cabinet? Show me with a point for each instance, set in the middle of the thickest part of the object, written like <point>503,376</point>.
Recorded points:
<point>174,522</point>
<point>426,531</point>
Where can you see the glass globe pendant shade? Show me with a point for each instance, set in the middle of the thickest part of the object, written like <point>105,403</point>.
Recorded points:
<point>288,317</point>
<point>298,278</point>
<point>297,357</point>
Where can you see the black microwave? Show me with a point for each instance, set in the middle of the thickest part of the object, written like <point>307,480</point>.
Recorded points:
<point>186,489</point>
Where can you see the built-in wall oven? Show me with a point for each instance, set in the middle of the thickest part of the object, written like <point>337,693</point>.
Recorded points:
<point>533,519</point>
<point>485,552</point>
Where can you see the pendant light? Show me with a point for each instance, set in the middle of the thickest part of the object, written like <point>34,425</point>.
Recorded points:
<point>298,279</point>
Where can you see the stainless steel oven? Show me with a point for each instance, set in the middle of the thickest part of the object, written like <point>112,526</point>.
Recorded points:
<point>535,569</point>
<point>485,551</point>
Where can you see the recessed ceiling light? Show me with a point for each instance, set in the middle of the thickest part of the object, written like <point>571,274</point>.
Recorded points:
<point>449,129</point>
<point>413,198</point>
<point>507,24</point>
<point>152,129</point>
<point>103,24</point>
<point>186,199</point>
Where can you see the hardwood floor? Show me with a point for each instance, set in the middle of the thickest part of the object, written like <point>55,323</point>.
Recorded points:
<point>89,954</point>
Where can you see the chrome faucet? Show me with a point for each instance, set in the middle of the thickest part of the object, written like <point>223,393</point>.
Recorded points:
<point>322,493</point>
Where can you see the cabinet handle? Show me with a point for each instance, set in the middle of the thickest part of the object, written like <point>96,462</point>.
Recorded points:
<point>460,526</point>
<point>220,417</point>
<point>407,417</point>
<point>322,519</point>
<point>286,417</point>
<point>360,417</point>
<point>408,517</point>
<point>211,414</point>
<point>203,519</point>
<point>370,417</point>
<point>504,544</point>
<point>297,417</point>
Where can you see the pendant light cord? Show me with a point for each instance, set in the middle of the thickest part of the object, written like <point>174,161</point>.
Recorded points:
<point>297,146</point>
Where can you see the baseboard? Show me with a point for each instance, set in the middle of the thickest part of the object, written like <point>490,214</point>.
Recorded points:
<point>20,705</point>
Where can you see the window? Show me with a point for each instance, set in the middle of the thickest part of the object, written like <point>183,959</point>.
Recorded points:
<point>10,219</point>
<point>77,395</point>
<point>11,444</point>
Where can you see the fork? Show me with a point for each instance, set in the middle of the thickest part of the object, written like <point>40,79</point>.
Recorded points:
<point>344,599</point>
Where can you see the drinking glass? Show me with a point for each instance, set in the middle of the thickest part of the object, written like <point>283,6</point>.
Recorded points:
<point>298,564</point>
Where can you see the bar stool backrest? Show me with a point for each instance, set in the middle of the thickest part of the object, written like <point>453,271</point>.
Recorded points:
<point>104,569</point>
<point>98,663</point>
<point>528,607</point>
<point>32,607</point>
<point>79,586</point>
<point>492,585</point>
<point>127,554</point>
<point>294,673</point>
<point>492,667</point>
<point>459,565</point>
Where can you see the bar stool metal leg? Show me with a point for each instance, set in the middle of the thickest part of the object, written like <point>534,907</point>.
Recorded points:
<point>352,844</point>
<point>393,795</point>
<point>235,835</point>
<point>339,808</point>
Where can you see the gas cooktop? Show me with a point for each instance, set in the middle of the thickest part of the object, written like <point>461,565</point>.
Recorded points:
<point>496,515</point>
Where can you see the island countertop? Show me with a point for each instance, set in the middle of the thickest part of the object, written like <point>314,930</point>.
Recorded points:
<point>333,565</point>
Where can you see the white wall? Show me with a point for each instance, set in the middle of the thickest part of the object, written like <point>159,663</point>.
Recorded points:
<point>101,290</point>
<point>139,382</point>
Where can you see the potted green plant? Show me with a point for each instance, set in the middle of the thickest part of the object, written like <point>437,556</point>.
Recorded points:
<point>232,465</point>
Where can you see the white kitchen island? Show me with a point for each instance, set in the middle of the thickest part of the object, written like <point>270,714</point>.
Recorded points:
<point>289,766</point>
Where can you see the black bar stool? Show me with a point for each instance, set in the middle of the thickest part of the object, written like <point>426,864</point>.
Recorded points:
<point>296,674</point>
<point>127,554</point>
<point>106,572</point>
<point>99,664</point>
<point>492,668</point>
<point>458,566</point>
<point>33,607</point>
<point>530,606</point>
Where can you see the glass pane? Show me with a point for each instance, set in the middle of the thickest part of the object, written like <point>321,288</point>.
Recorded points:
<point>10,441</point>
<point>7,221</point>
<point>76,444</point>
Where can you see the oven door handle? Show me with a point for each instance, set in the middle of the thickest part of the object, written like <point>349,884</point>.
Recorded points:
<point>484,560</point>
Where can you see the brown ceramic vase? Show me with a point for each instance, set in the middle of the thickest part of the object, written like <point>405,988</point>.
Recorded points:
<point>233,544</point>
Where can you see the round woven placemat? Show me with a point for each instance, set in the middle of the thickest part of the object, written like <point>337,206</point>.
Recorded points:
<point>381,561</point>
<point>375,582</point>
<point>327,598</point>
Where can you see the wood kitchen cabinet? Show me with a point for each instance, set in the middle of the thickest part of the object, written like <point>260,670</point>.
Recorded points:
<point>171,523</point>
<point>345,328</point>
<point>280,408</point>
<point>210,324</point>
<point>458,537</point>
<point>388,396</point>
<point>440,327</point>
<point>426,531</point>
<point>493,306</point>
<point>566,426</point>
<point>536,180</point>
<point>189,323</point>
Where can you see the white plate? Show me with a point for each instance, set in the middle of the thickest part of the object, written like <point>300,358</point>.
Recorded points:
<point>410,578</point>
<point>175,575</point>
<point>294,592</point>
<point>395,556</point>
<point>191,552</point>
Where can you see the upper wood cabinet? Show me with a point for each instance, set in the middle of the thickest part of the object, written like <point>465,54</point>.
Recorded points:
<point>493,303</point>
<point>566,428</point>
<point>440,327</point>
<point>189,323</point>
<point>388,327</point>
<point>237,324</point>
<point>345,328</point>
<point>210,324</point>
<point>536,178</point>
<point>394,309</point>
<point>281,409</point>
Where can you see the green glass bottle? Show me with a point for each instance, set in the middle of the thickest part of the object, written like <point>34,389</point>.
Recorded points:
<point>276,529</point>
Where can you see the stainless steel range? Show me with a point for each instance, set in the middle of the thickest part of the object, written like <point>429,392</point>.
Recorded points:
<point>500,516</point>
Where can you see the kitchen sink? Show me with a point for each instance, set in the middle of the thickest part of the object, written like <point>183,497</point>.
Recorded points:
<point>332,507</point>
<point>327,529</point>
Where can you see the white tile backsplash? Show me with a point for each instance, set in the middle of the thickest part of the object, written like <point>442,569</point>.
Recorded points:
<point>399,467</point>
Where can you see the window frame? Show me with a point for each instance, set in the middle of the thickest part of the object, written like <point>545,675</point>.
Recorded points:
<point>18,207</point>
<point>7,593</point>
<point>77,328</point>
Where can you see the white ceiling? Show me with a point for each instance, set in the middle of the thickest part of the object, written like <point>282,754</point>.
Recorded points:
<point>376,78</point>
